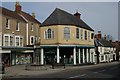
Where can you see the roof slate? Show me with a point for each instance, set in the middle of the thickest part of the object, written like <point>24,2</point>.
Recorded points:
<point>10,13</point>
<point>60,17</point>
<point>29,17</point>
<point>104,43</point>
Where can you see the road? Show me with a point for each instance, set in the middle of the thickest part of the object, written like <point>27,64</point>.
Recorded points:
<point>94,71</point>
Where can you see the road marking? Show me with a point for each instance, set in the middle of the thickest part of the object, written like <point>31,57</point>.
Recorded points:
<point>100,71</point>
<point>77,76</point>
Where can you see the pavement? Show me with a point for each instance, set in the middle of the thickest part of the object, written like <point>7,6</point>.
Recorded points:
<point>20,70</point>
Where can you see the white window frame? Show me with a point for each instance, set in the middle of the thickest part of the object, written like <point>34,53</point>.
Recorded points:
<point>88,36</point>
<point>8,39</point>
<point>22,41</point>
<point>81,34</point>
<point>8,24</point>
<point>33,40</point>
<point>68,33</point>
<point>18,40</point>
<point>17,25</point>
<point>77,34</point>
<point>46,35</point>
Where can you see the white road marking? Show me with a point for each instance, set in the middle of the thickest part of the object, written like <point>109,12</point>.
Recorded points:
<point>100,71</point>
<point>77,76</point>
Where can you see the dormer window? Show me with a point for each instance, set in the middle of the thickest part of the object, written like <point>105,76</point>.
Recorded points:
<point>17,26</point>
<point>32,26</point>
<point>7,23</point>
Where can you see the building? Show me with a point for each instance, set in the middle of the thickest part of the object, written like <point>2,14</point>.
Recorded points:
<point>105,51</point>
<point>66,38</point>
<point>117,46</point>
<point>19,33</point>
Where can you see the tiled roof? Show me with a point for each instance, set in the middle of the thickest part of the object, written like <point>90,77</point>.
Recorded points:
<point>60,17</point>
<point>97,43</point>
<point>10,13</point>
<point>106,43</point>
<point>29,17</point>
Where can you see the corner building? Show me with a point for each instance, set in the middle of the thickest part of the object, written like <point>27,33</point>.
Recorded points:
<point>66,38</point>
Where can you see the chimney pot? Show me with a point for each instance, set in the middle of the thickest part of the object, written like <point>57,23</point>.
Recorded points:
<point>99,35</point>
<point>18,7</point>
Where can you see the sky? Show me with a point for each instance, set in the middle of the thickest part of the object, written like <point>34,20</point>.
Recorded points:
<point>100,16</point>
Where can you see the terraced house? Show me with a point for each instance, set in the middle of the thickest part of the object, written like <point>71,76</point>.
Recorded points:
<point>66,38</point>
<point>18,33</point>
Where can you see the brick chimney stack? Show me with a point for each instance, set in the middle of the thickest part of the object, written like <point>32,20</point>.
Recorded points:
<point>99,36</point>
<point>77,15</point>
<point>18,7</point>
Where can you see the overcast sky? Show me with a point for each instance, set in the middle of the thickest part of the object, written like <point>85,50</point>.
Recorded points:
<point>101,16</point>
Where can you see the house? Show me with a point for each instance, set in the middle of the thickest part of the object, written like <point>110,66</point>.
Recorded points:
<point>18,33</point>
<point>117,46</point>
<point>105,51</point>
<point>66,38</point>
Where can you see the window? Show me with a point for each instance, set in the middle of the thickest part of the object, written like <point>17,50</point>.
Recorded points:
<point>49,34</point>
<point>92,35</point>
<point>11,40</point>
<point>17,41</point>
<point>7,23</point>
<point>77,33</point>
<point>6,40</point>
<point>85,35</point>
<point>66,33</point>
<point>89,36</point>
<point>32,26</point>
<point>32,41</point>
<point>102,57</point>
<point>81,34</point>
<point>21,41</point>
<point>17,26</point>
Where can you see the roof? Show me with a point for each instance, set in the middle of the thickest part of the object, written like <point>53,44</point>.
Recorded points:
<point>105,43</point>
<point>97,42</point>
<point>60,17</point>
<point>29,17</point>
<point>10,13</point>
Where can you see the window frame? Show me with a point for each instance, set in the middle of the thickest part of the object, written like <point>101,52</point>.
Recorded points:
<point>31,40</point>
<point>49,34</point>
<point>66,33</point>
<point>77,33</point>
<point>7,23</point>
<point>17,26</point>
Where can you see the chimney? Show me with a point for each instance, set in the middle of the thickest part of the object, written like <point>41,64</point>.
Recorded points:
<point>99,36</point>
<point>105,37</point>
<point>77,15</point>
<point>33,15</point>
<point>18,7</point>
